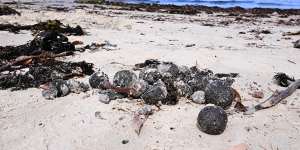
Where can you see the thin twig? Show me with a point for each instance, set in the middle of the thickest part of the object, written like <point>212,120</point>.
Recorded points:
<point>275,98</point>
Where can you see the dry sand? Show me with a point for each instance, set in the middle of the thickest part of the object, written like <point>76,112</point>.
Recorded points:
<point>28,121</point>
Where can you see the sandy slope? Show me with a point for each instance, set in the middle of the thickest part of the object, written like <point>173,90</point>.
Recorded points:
<point>27,121</point>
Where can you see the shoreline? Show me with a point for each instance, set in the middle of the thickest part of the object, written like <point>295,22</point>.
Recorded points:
<point>179,9</point>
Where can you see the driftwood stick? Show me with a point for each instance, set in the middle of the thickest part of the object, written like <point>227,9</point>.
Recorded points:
<point>275,98</point>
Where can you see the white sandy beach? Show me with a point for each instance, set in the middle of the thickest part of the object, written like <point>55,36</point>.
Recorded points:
<point>29,122</point>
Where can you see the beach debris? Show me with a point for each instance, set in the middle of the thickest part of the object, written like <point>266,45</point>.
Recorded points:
<point>60,88</point>
<point>297,44</point>
<point>108,46</point>
<point>98,115</point>
<point>238,99</point>
<point>184,73</point>
<point>172,95</point>
<point>5,10</point>
<point>194,9</point>
<point>124,78</point>
<point>111,94</point>
<point>140,116</point>
<point>257,94</point>
<point>34,64</point>
<point>265,32</point>
<point>198,79</point>
<point>99,80</point>
<point>212,120</point>
<point>218,92</point>
<point>76,86</point>
<point>168,69</point>
<point>151,63</point>
<point>40,73</point>
<point>151,75</point>
<point>56,88</point>
<point>155,93</point>
<point>77,42</point>
<point>104,98</point>
<point>48,41</point>
<point>183,89</point>
<point>50,25</point>
<point>275,98</point>
<point>125,141</point>
<point>198,97</point>
<point>283,79</point>
<point>89,1</point>
<point>138,88</point>
<point>291,61</point>
<point>291,33</point>
<point>190,45</point>
<point>226,75</point>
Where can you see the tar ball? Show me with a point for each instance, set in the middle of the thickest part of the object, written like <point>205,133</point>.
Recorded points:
<point>168,69</point>
<point>183,89</point>
<point>56,88</point>
<point>124,78</point>
<point>219,93</point>
<point>112,95</point>
<point>212,120</point>
<point>99,80</point>
<point>151,75</point>
<point>138,88</point>
<point>155,93</point>
<point>76,86</point>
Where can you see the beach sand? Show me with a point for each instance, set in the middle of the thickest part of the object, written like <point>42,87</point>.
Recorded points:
<point>29,122</point>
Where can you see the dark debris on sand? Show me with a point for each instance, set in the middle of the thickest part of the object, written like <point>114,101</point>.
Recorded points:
<point>5,10</point>
<point>33,64</point>
<point>162,82</point>
<point>195,9</point>
<point>50,25</point>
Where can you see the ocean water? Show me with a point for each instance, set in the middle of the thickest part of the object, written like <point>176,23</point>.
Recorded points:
<point>283,4</point>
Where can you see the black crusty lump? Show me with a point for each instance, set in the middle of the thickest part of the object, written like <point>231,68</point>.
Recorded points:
<point>168,69</point>
<point>124,78</point>
<point>151,75</point>
<point>138,88</point>
<point>99,80</point>
<point>212,120</point>
<point>5,10</point>
<point>56,88</point>
<point>155,93</point>
<point>220,93</point>
<point>183,89</point>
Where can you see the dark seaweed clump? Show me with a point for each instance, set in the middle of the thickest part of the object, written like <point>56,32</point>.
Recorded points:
<point>33,64</point>
<point>5,10</point>
<point>50,25</point>
<point>283,79</point>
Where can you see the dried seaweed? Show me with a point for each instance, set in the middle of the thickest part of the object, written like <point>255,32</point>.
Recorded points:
<point>41,73</point>
<point>33,64</point>
<point>53,25</point>
<point>5,10</point>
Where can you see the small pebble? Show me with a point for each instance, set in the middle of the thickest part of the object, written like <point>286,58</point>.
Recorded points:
<point>125,141</point>
<point>104,98</point>
<point>198,97</point>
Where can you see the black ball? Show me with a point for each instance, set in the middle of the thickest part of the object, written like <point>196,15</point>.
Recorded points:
<point>212,120</point>
<point>99,80</point>
<point>219,93</point>
<point>124,78</point>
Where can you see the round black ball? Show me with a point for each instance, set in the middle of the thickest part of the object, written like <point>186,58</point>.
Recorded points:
<point>212,120</point>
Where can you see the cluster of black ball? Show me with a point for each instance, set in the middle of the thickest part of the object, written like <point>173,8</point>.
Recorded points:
<point>164,82</point>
